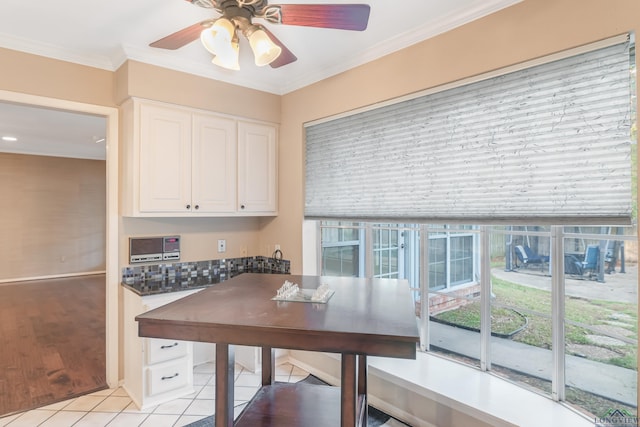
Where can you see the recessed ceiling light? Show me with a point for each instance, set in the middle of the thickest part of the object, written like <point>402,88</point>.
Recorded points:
<point>9,138</point>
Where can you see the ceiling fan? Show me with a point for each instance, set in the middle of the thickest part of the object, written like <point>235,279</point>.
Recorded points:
<point>220,35</point>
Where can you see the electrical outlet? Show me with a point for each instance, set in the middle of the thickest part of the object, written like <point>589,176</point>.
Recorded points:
<point>222,245</point>
<point>277,248</point>
<point>243,251</point>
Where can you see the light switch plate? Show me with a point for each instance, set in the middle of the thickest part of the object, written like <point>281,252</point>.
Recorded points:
<point>222,245</point>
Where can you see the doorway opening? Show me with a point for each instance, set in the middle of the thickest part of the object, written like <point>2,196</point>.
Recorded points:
<point>95,289</point>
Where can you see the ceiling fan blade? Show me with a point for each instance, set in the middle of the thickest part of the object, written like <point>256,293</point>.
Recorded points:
<point>339,16</point>
<point>285,57</point>
<point>182,37</point>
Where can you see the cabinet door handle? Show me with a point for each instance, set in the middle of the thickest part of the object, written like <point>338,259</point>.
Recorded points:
<point>197,206</point>
<point>168,378</point>
<point>175,344</point>
<point>241,206</point>
<point>188,206</point>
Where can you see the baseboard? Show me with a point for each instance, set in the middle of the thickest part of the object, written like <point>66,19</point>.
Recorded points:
<point>51,276</point>
<point>313,368</point>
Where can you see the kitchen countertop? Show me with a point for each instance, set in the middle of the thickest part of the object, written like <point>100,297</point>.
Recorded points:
<point>153,287</point>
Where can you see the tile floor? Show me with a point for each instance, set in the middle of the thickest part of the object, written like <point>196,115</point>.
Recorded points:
<point>114,408</point>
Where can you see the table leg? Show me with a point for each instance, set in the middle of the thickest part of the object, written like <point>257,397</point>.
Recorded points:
<point>348,395</point>
<point>268,367</point>
<point>225,364</point>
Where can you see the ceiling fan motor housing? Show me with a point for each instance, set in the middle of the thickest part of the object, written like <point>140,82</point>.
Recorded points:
<point>245,8</point>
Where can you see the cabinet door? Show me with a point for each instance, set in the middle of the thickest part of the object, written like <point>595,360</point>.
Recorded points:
<point>257,168</point>
<point>213,164</point>
<point>165,159</point>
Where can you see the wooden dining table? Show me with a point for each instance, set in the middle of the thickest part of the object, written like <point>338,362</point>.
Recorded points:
<point>363,317</point>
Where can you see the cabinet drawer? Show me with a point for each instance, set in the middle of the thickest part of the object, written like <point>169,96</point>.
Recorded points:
<point>160,350</point>
<point>167,376</point>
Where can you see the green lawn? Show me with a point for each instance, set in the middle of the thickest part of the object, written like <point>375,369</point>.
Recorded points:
<point>504,321</point>
<point>537,332</point>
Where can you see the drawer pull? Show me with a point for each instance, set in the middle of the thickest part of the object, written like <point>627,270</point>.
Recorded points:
<point>175,344</point>
<point>168,378</point>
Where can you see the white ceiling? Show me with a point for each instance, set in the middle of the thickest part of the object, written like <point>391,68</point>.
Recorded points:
<point>49,132</point>
<point>104,34</point>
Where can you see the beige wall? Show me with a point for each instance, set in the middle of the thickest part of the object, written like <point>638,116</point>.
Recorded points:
<point>53,216</point>
<point>136,79</point>
<point>528,30</point>
<point>199,236</point>
<point>35,75</point>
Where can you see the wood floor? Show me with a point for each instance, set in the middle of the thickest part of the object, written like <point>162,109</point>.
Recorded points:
<point>52,341</point>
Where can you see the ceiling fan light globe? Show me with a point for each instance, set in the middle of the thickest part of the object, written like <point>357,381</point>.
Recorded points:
<point>218,37</point>
<point>228,58</point>
<point>264,49</point>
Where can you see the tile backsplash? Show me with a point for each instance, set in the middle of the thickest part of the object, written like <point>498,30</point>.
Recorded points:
<point>166,277</point>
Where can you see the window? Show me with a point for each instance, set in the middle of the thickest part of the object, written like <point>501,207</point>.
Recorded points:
<point>341,250</point>
<point>451,260</point>
<point>598,367</point>
<point>396,253</point>
<point>388,252</point>
<point>551,306</point>
<point>461,259</point>
<point>438,270</point>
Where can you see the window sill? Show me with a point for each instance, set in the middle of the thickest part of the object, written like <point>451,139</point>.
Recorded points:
<point>475,393</point>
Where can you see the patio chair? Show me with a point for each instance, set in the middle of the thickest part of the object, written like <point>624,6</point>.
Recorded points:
<point>573,266</point>
<point>528,257</point>
<point>591,261</point>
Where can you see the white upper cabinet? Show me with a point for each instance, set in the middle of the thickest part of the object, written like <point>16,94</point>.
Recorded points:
<point>257,168</point>
<point>213,164</point>
<point>165,159</point>
<point>179,161</point>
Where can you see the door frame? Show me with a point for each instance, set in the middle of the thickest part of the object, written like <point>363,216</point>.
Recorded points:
<point>112,282</point>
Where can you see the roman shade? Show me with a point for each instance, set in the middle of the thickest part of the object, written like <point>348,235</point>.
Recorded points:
<point>545,144</point>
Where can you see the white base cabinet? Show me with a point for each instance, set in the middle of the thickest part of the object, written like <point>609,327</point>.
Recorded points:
<point>155,370</point>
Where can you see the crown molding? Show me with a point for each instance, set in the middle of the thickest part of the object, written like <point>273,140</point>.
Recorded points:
<point>280,86</point>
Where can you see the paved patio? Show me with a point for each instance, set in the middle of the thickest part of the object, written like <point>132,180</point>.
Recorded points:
<point>621,287</point>
<point>612,382</point>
